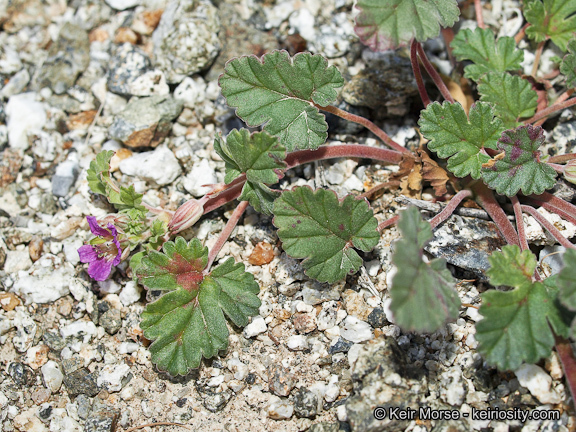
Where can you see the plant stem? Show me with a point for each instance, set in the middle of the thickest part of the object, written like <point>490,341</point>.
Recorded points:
<point>449,209</point>
<point>558,168</point>
<point>364,122</point>
<point>549,226</point>
<point>387,223</point>
<point>478,10</point>
<point>486,199</point>
<point>418,73</point>
<point>520,35</point>
<point>550,110</point>
<point>433,74</point>
<point>566,354</point>
<point>519,223</point>
<point>156,210</point>
<point>561,158</point>
<point>555,205</point>
<point>223,237</point>
<point>537,58</point>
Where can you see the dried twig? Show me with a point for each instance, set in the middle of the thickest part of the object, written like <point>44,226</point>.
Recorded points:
<point>157,424</point>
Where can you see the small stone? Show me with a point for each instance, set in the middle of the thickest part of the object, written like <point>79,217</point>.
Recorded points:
<point>52,376</point>
<point>37,356</point>
<point>355,330</point>
<point>186,40</point>
<point>377,318</point>
<point>239,369</point>
<point>236,386</point>
<point>16,85</point>
<point>201,174</point>
<point>215,402</point>
<point>355,304</point>
<point>8,301</point>
<point>263,253</point>
<point>53,340</point>
<point>192,91</point>
<point>159,166</point>
<point>280,380</point>
<point>17,260</point>
<point>122,4</point>
<point>113,377</point>
<point>72,364</point>
<point>35,248</point>
<point>40,395</point>
<point>130,294</point>
<point>256,327</point>
<point>81,120</point>
<point>67,58</point>
<point>297,343</point>
<point>305,403</point>
<point>280,409</point>
<point>327,317</point>
<point>84,406</point>
<point>538,382</point>
<point>81,382</point>
<point>102,420</point>
<point>127,65</point>
<point>145,122</point>
<point>22,375</point>
<point>148,84</point>
<point>65,177</point>
<point>339,345</point>
<point>304,322</point>
<point>111,320</point>
<point>327,427</point>
<point>26,329</point>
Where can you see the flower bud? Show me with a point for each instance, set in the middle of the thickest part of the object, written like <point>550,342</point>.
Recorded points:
<point>570,171</point>
<point>187,215</point>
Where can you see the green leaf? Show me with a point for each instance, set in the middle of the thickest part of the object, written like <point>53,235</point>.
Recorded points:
<point>188,323</point>
<point>98,172</point>
<point>419,286</point>
<point>452,135</point>
<point>555,19</point>
<point>566,280</point>
<point>260,156</point>
<point>520,168</point>
<point>515,327</point>
<point>279,91</point>
<point>317,226</point>
<point>568,65</point>
<point>180,265</point>
<point>389,24</point>
<point>479,46</point>
<point>511,96</point>
<point>127,199</point>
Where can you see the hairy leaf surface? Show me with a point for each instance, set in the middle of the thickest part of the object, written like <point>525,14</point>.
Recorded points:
<point>479,46</point>
<point>568,65</point>
<point>389,24</point>
<point>423,294</point>
<point>99,172</point>
<point>316,226</point>
<point>260,156</point>
<point>453,136</point>
<point>520,168</point>
<point>566,280</point>
<point>555,19</point>
<point>278,91</point>
<point>516,324</point>
<point>511,96</point>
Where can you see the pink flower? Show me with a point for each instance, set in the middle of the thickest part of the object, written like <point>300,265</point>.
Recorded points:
<point>104,253</point>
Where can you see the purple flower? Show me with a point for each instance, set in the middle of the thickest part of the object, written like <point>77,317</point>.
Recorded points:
<point>102,255</point>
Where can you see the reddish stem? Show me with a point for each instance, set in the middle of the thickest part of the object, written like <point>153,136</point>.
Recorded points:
<point>520,35</point>
<point>478,10</point>
<point>450,207</point>
<point>387,223</point>
<point>561,158</point>
<point>537,58</point>
<point>549,226</point>
<point>556,205</point>
<point>519,223</point>
<point>434,74</point>
<point>558,106</point>
<point>558,168</point>
<point>566,354</point>
<point>418,73</point>
<point>486,199</point>
<point>223,237</point>
<point>366,123</point>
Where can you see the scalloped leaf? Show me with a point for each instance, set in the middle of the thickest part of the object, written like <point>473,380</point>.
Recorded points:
<point>453,136</point>
<point>511,96</point>
<point>566,280</point>
<point>260,156</point>
<point>419,286</point>
<point>568,65</point>
<point>554,19</point>
<point>316,226</point>
<point>180,265</point>
<point>520,168</point>
<point>488,55</point>
<point>279,91</point>
<point>516,323</point>
<point>389,24</point>
<point>99,172</point>
<point>187,325</point>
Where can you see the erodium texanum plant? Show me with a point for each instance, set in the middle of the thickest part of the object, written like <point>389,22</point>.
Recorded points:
<point>491,149</point>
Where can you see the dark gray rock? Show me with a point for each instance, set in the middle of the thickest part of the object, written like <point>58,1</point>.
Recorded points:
<point>128,63</point>
<point>53,341</point>
<point>305,403</point>
<point>84,406</point>
<point>145,122</point>
<point>22,375</point>
<point>213,401</point>
<point>102,419</point>
<point>280,380</point>
<point>377,318</point>
<point>81,381</point>
<point>109,318</point>
<point>324,427</point>
<point>71,365</point>
<point>466,243</point>
<point>65,176</point>
<point>340,346</point>
<point>67,58</point>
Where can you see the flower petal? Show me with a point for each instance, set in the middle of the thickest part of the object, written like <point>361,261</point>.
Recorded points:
<point>96,229</point>
<point>100,269</point>
<point>87,253</point>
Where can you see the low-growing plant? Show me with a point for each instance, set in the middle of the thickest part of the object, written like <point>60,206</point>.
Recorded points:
<point>493,149</point>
